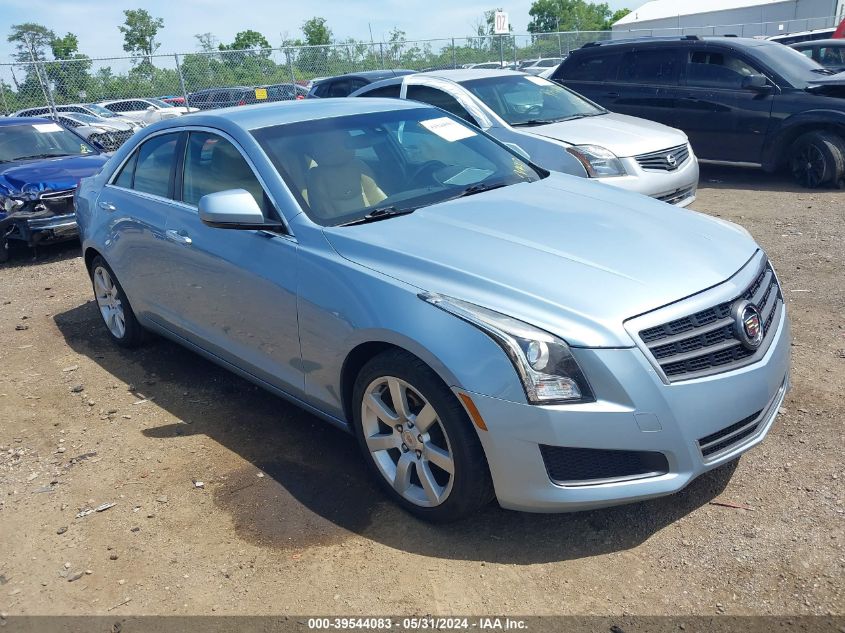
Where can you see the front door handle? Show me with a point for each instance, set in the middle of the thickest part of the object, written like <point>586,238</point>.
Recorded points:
<point>106,206</point>
<point>179,238</point>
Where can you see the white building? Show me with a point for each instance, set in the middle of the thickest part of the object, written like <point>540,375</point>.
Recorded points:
<point>745,18</point>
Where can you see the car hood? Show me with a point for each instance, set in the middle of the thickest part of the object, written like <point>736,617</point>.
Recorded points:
<point>621,134</point>
<point>569,255</point>
<point>50,174</point>
<point>829,80</point>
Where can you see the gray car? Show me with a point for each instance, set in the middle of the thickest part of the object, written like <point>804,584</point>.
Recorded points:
<point>485,328</point>
<point>559,129</point>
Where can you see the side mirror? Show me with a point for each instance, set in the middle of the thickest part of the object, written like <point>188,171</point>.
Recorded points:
<point>231,209</point>
<point>755,82</point>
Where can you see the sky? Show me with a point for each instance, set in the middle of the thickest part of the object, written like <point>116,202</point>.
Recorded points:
<point>95,22</point>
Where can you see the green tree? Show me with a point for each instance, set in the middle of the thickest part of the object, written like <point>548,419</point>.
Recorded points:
<point>207,42</point>
<point>139,32</point>
<point>617,15</point>
<point>568,15</point>
<point>31,41</point>
<point>246,40</point>
<point>69,74</point>
<point>317,32</point>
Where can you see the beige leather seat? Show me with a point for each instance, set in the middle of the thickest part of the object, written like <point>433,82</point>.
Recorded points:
<point>339,183</point>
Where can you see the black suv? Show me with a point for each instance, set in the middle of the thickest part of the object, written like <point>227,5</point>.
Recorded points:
<point>739,100</point>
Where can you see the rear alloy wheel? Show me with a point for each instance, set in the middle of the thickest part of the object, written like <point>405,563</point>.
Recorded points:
<point>418,439</point>
<point>817,159</point>
<point>114,306</point>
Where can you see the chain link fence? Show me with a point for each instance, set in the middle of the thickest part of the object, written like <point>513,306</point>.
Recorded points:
<point>55,83</point>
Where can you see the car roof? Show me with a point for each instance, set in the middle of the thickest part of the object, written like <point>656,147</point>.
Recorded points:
<point>459,75</point>
<point>374,75</point>
<point>831,42</point>
<point>22,120</point>
<point>688,40</point>
<point>253,117</point>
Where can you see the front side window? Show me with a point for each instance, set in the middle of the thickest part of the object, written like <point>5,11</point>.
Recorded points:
<point>154,165</point>
<point>40,140</point>
<point>439,99</point>
<point>391,91</point>
<point>656,66</point>
<point>343,168</point>
<point>527,100</point>
<point>213,164</point>
<point>715,69</point>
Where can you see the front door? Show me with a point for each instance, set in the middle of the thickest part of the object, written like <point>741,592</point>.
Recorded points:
<point>724,120</point>
<point>235,289</point>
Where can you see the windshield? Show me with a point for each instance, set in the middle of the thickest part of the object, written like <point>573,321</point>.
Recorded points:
<point>85,118</point>
<point>100,111</point>
<point>527,100</point>
<point>40,140</point>
<point>344,168</point>
<point>160,103</point>
<point>799,70</point>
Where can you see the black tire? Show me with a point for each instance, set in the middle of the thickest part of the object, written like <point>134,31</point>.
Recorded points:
<point>133,334</point>
<point>471,486</point>
<point>817,159</point>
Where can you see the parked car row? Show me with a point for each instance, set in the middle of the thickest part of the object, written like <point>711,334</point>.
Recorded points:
<point>226,97</point>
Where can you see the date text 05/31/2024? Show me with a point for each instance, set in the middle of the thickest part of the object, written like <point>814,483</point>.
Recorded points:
<point>418,623</point>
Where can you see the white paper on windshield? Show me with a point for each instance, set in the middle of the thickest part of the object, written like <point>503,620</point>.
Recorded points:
<point>448,129</point>
<point>44,128</point>
<point>537,80</point>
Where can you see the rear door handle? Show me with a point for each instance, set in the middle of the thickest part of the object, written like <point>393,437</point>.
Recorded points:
<point>106,206</point>
<point>179,238</point>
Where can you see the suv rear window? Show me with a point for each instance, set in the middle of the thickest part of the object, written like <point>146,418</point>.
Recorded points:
<point>590,67</point>
<point>654,66</point>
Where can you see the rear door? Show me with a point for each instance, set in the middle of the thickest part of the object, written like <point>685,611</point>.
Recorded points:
<point>723,120</point>
<point>137,201</point>
<point>646,84</point>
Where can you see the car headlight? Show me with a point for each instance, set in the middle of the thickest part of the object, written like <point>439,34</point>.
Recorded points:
<point>9,204</point>
<point>598,161</point>
<point>546,367</point>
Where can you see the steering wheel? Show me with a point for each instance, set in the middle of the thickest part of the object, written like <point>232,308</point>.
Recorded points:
<point>428,168</point>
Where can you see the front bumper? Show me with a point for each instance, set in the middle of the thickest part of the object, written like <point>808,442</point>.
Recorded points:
<point>636,411</point>
<point>39,230</point>
<point>675,187</point>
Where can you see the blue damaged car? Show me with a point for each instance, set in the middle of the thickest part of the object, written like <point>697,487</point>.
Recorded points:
<point>41,164</point>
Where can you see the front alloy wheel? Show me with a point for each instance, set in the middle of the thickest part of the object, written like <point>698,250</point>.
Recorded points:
<point>407,441</point>
<point>418,440</point>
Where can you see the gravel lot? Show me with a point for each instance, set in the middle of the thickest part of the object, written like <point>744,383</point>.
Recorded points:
<point>285,520</point>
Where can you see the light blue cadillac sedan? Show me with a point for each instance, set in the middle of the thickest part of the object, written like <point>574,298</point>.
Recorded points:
<point>483,327</point>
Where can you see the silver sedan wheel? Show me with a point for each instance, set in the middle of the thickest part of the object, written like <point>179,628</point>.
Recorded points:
<point>407,441</point>
<point>105,290</point>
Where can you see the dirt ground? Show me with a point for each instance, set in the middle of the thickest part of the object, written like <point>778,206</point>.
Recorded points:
<point>286,521</point>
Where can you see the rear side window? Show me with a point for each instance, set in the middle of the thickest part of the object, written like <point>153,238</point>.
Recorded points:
<point>655,66</point>
<point>127,173</point>
<point>440,99</point>
<point>154,168</point>
<point>339,88</point>
<point>589,68</point>
<point>391,91</point>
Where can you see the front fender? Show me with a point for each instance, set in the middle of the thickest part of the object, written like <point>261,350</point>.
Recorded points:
<point>343,305</point>
<point>774,152</point>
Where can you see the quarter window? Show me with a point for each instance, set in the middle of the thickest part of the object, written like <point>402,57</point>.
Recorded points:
<point>154,169</point>
<point>440,99</point>
<point>656,66</point>
<point>213,164</point>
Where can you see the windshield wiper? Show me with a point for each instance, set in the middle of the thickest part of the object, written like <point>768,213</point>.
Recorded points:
<point>381,213</point>
<point>547,121</point>
<point>44,156</point>
<point>480,188</point>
